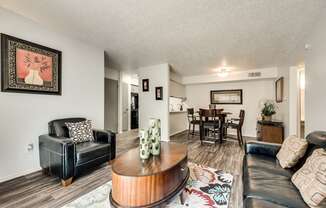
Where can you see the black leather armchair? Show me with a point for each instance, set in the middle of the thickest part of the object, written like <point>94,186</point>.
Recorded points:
<point>265,183</point>
<point>59,156</point>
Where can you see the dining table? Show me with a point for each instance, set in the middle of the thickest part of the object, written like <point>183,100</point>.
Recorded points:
<point>221,115</point>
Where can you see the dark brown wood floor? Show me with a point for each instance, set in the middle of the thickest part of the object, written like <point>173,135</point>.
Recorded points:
<point>37,190</point>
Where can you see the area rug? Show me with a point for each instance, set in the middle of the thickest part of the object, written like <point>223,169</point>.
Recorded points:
<point>206,188</point>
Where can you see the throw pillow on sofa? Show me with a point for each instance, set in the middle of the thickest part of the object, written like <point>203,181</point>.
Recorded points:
<point>80,131</point>
<point>310,179</point>
<point>292,149</point>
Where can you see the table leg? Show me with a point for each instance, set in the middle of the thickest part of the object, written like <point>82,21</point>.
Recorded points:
<point>201,133</point>
<point>222,128</point>
<point>182,198</point>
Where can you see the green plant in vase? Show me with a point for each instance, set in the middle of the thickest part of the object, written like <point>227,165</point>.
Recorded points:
<point>268,110</point>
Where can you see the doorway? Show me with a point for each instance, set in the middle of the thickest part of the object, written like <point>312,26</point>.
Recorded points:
<point>111,104</point>
<point>125,107</point>
<point>301,102</point>
<point>134,111</point>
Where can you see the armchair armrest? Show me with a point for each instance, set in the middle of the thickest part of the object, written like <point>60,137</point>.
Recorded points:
<point>106,137</point>
<point>57,154</point>
<point>262,148</point>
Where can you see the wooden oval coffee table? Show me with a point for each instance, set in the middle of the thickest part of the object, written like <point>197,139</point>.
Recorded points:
<point>151,183</point>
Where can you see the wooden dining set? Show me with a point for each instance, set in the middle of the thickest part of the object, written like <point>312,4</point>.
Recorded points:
<point>213,124</point>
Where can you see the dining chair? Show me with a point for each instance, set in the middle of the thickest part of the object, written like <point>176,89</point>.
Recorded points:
<point>209,125</point>
<point>219,110</point>
<point>237,123</point>
<point>212,106</point>
<point>192,121</point>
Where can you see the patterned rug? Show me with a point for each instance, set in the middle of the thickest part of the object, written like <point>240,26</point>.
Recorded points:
<point>206,188</point>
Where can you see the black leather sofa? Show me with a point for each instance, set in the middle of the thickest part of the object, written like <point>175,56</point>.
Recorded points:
<point>265,183</point>
<point>59,156</point>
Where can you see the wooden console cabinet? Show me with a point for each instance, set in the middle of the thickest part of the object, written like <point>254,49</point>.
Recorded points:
<point>270,131</point>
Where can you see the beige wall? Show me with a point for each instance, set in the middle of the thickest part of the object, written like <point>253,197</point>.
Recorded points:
<point>283,107</point>
<point>23,117</point>
<point>159,76</point>
<point>178,121</point>
<point>315,73</point>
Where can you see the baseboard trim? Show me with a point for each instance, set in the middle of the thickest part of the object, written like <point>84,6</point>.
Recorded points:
<point>184,131</point>
<point>178,132</point>
<point>19,174</point>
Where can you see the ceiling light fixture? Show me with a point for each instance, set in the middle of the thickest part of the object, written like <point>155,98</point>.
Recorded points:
<point>223,72</point>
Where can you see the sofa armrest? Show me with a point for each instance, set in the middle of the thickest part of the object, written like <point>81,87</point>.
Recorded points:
<point>262,148</point>
<point>106,137</point>
<point>57,154</point>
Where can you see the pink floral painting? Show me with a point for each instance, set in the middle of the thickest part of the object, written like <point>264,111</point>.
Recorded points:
<point>33,68</point>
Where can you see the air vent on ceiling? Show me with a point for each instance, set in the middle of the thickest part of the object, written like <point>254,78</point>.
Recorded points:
<point>254,74</point>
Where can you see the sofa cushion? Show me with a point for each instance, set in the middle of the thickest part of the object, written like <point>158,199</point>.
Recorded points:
<point>80,131</point>
<point>58,127</point>
<point>266,164</point>
<point>260,203</point>
<point>89,151</point>
<point>263,178</point>
<point>317,138</point>
<point>293,148</point>
<point>311,178</point>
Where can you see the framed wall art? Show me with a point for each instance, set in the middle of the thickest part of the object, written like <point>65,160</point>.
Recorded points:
<point>226,96</point>
<point>145,83</point>
<point>279,90</point>
<point>159,93</point>
<point>27,67</point>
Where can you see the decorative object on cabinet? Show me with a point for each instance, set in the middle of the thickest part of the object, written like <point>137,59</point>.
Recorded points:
<point>226,96</point>
<point>159,93</point>
<point>268,110</point>
<point>145,83</point>
<point>155,136</point>
<point>279,90</point>
<point>27,67</point>
<point>144,144</point>
<point>150,140</point>
<point>270,131</point>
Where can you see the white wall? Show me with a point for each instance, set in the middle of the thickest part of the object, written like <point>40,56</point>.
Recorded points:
<point>294,104</point>
<point>158,75</point>
<point>177,89</point>
<point>178,122</point>
<point>112,74</point>
<point>198,96</point>
<point>283,107</point>
<point>315,73</point>
<point>23,117</point>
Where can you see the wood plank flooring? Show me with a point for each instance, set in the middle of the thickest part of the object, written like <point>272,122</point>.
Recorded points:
<point>37,190</point>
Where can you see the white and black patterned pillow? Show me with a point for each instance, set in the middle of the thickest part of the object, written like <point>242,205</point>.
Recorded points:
<point>80,131</point>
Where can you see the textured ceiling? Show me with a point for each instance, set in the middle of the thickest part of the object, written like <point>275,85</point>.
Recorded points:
<point>194,36</point>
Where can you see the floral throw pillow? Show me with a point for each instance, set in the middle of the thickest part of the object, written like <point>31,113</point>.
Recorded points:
<point>80,132</point>
<point>292,149</point>
<point>310,179</point>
